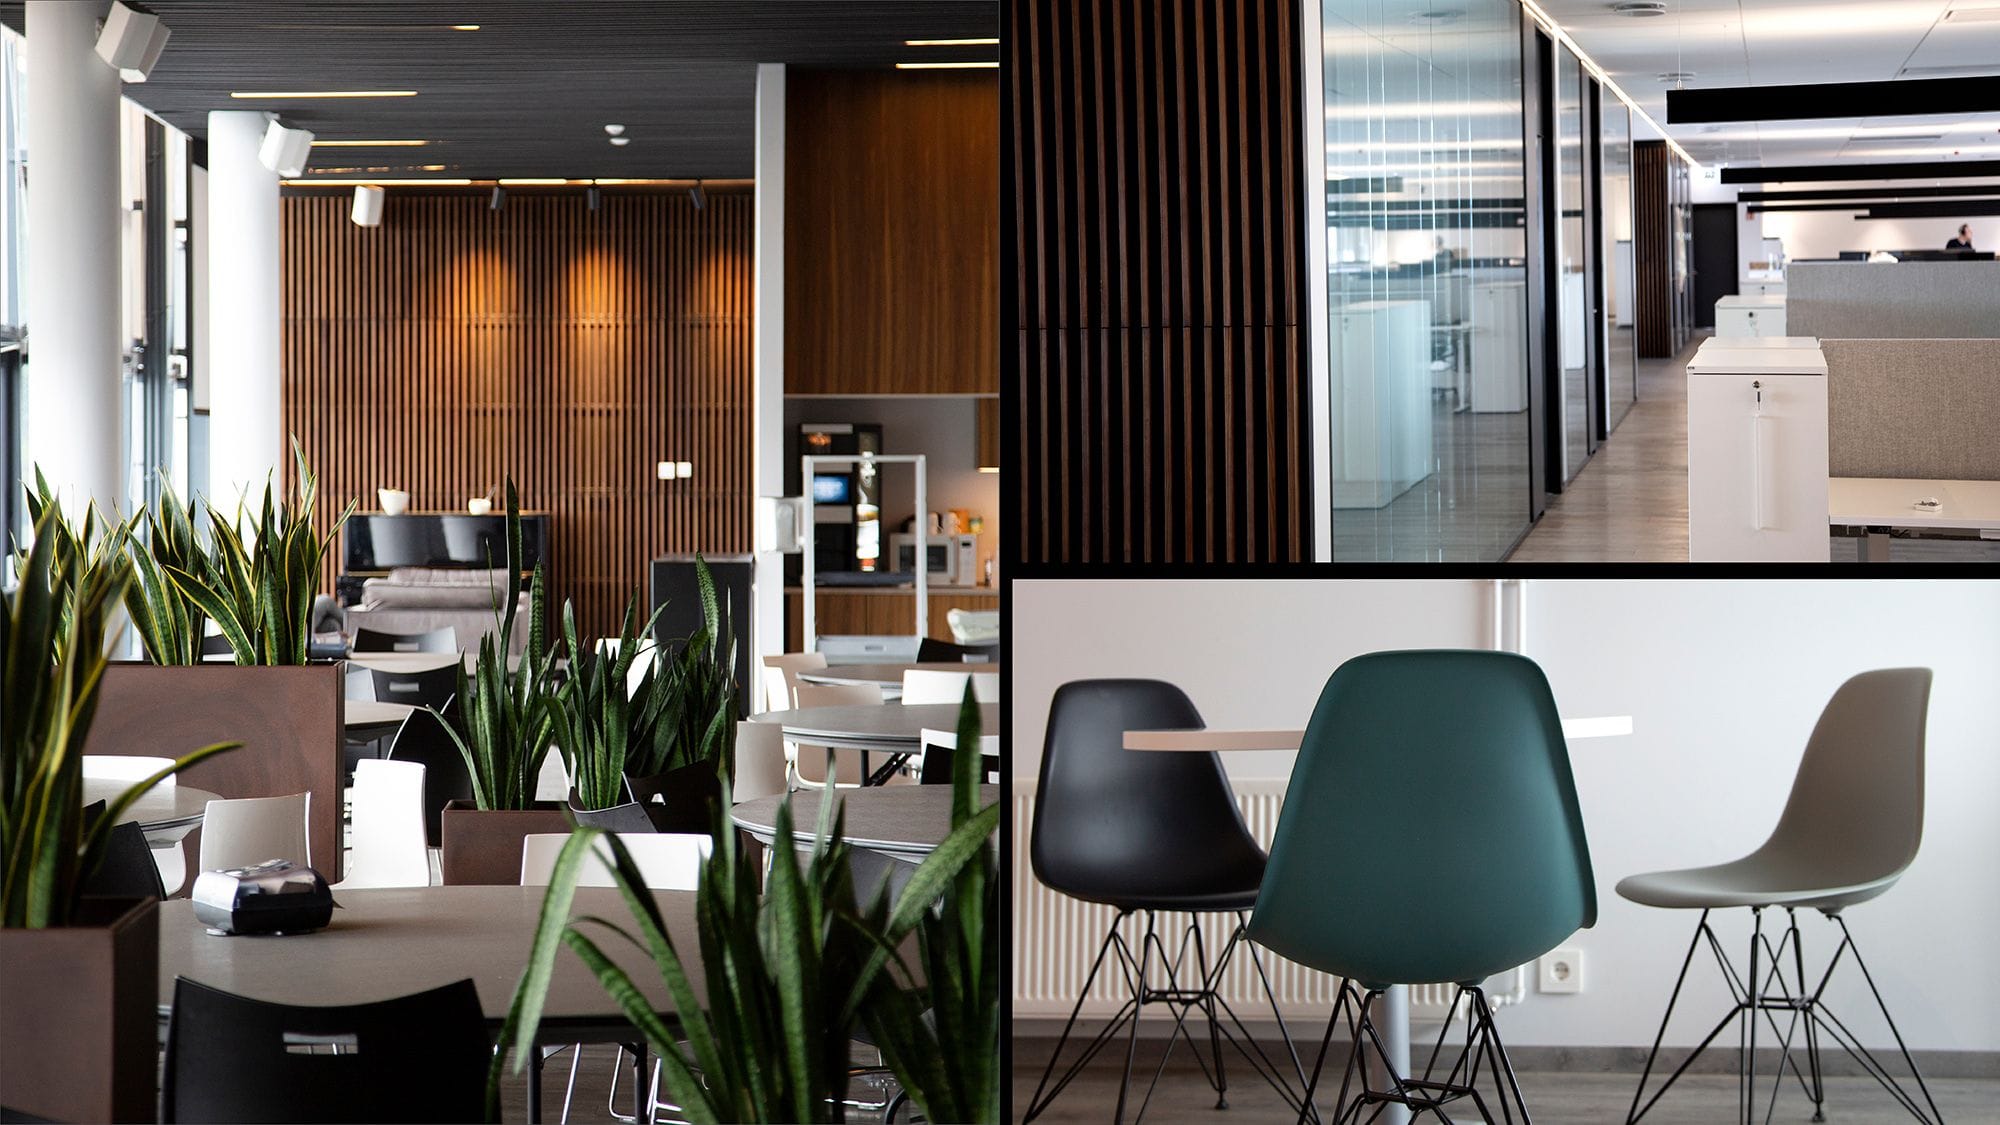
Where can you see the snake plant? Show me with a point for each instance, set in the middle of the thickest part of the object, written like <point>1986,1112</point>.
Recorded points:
<point>697,697</point>
<point>170,623</point>
<point>791,972</point>
<point>506,718</point>
<point>52,661</point>
<point>597,720</point>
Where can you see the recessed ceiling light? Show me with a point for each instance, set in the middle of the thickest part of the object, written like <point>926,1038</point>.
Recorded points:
<point>1639,9</point>
<point>1675,75</point>
<point>369,144</point>
<point>951,42</point>
<point>533,181</point>
<point>994,65</point>
<point>293,95</point>
<point>621,142</point>
<point>465,27</point>
<point>614,130</point>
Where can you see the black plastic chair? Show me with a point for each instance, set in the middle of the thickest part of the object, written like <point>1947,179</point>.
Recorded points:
<point>1144,833</point>
<point>433,688</point>
<point>930,651</point>
<point>415,1058</point>
<point>423,739</point>
<point>215,644</point>
<point>128,870</point>
<point>443,639</point>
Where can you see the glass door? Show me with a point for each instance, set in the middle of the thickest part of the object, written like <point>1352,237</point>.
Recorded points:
<point>1572,275</point>
<point>1621,387</point>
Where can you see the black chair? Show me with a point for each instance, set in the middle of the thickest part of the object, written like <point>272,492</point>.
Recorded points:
<point>422,738</point>
<point>128,870</point>
<point>414,1058</point>
<point>418,689</point>
<point>215,644</point>
<point>1148,833</point>
<point>931,651</point>
<point>375,640</point>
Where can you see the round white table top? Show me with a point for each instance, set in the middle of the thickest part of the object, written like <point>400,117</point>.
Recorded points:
<point>874,724</point>
<point>159,810</point>
<point>887,675</point>
<point>373,713</point>
<point>906,820</point>
<point>416,661</point>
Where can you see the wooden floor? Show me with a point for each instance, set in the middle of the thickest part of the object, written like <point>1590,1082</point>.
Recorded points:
<point>1184,1098</point>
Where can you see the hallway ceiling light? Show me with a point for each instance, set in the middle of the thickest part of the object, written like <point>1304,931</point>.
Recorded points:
<point>535,181</point>
<point>131,41</point>
<point>994,65</point>
<point>951,42</point>
<point>614,130</point>
<point>1639,9</point>
<point>1675,75</point>
<point>621,142</point>
<point>465,27</point>
<point>295,95</point>
<point>369,144</point>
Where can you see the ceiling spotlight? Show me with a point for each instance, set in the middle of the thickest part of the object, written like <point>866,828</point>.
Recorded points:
<point>285,151</point>
<point>614,130</point>
<point>697,196</point>
<point>499,199</point>
<point>1639,9</point>
<point>132,40</point>
<point>368,201</point>
<point>621,142</point>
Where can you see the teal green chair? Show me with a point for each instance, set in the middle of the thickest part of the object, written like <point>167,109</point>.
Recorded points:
<point>1430,835</point>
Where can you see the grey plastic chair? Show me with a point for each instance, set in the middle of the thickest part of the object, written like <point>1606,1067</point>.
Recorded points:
<point>1849,830</point>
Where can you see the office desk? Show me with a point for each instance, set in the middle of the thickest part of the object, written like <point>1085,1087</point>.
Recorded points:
<point>1877,505</point>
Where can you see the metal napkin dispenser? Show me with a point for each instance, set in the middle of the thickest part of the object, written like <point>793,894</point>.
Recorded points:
<point>273,897</point>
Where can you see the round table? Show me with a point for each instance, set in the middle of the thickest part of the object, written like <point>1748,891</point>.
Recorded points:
<point>888,677</point>
<point>165,812</point>
<point>887,728</point>
<point>906,821</point>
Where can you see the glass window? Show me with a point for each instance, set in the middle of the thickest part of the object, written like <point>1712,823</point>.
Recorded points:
<point>1426,280</point>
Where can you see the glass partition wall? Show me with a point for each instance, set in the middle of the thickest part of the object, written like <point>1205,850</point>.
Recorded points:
<point>1572,273</point>
<point>1621,356</point>
<point>1426,278</point>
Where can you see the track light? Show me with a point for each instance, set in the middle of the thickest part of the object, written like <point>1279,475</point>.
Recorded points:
<point>285,151</point>
<point>499,199</point>
<point>368,201</point>
<point>593,197</point>
<point>132,40</point>
<point>697,196</point>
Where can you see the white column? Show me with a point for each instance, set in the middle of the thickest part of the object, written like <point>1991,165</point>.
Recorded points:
<point>767,362</point>
<point>246,427</point>
<point>75,416</point>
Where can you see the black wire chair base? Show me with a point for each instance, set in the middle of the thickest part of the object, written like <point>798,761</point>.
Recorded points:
<point>1808,1012</point>
<point>1428,1094</point>
<point>1201,994</point>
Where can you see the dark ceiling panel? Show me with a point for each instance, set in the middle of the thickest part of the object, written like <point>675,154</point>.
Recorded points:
<point>1939,170</point>
<point>530,92</point>
<point>1817,101</point>
<point>1934,209</point>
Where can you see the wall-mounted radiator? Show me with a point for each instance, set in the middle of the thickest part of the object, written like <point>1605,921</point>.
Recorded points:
<point>1056,936</point>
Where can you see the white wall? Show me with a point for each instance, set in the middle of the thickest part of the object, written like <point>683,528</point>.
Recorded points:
<point>1723,681</point>
<point>1824,234</point>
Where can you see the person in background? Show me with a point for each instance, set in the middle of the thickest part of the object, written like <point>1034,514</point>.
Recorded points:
<point>1964,239</point>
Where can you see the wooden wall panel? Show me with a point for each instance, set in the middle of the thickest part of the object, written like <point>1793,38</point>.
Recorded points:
<point>892,232</point>
<point>454,345</point>
<point>1652,249</point>
<point>1155,301</point>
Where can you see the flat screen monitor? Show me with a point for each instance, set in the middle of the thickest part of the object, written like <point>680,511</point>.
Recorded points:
<point>833,488</point>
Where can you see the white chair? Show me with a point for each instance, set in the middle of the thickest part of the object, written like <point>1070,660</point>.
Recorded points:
<point>668,861</point>
<point>250,830</point>
<point>388,846</point>
<point>171,859</point>
<point>809,762</point>
<point>781,676</point>
<point>973,626</point>
<point>761,767</point>
<point>929,686</point>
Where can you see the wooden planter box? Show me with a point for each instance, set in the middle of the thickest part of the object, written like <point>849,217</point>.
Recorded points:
<point>484,846</point>
<point>79,1026</point>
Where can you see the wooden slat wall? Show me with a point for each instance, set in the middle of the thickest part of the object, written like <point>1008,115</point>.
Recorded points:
<point>453,346</point>
<point>1157,294</point>
<point>1652,249</point>
<point>892,232</point>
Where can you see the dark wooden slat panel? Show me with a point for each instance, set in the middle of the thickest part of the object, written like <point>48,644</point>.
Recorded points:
<point>1156,296</point>
<point>454,346</point>
<point>892,229</point>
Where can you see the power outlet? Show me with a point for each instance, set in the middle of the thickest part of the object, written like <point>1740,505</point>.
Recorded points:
<point>1562,971</point>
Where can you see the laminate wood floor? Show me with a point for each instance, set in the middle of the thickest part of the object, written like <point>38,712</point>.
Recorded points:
<point>1184,1098</point>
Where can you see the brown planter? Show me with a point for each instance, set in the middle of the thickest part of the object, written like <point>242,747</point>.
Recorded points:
<point>79,1027</point>
<point>689,797</point>
<point>483,846</point>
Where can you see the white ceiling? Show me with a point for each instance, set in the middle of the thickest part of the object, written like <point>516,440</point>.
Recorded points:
<point>1783,42</point>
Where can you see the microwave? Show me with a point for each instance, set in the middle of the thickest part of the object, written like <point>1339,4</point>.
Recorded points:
<point>954,559</point>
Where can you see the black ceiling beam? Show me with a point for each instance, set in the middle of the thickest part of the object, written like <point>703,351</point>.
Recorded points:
<point>1934,209</point>
<point>1797,173</point>
<point>1819,100</point>
<point>1867,193</point>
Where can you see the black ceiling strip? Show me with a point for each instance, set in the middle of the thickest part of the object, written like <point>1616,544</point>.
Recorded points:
<point>1903,98</point>
<point>1934,209</point>
<point>1937,170</point>
<point>1868,193</point>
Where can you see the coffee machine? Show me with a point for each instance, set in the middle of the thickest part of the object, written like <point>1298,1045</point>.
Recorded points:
<point>846,505</point>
